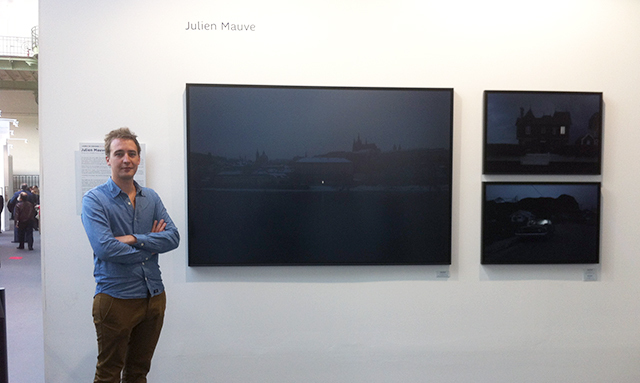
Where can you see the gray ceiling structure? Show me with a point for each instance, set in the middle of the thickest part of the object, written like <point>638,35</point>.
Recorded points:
<point>19,62</point>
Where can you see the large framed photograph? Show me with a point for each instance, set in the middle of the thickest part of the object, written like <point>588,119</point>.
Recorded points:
<point>305,175</point>
<point>541,223</point>
<point>542,132</point>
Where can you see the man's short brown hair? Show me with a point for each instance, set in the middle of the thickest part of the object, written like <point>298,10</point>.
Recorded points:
<point>123,134</point>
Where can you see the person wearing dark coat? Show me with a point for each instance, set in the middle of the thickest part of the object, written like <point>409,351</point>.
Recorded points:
<point>23,214</point>
<point>11,205</point>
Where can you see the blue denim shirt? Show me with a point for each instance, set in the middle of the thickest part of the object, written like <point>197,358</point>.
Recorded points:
<point>126,271</point>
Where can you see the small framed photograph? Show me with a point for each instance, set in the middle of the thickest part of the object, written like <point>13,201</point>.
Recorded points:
<point>541,223</point>
<point>528,132</point>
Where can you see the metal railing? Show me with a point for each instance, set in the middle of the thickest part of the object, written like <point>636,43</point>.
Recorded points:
<point>35,41</point>
<point>20,46</point>
<point>15,46</point>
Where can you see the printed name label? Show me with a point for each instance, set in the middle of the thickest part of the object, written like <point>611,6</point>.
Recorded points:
<point>204,26</point>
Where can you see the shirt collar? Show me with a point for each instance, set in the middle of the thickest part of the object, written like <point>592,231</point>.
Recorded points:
<point>115,189</point>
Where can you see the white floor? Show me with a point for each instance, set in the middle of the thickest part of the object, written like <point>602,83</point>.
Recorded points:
<point>21,277</point>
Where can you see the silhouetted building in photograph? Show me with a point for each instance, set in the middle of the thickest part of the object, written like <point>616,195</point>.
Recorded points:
<point>543,134</point>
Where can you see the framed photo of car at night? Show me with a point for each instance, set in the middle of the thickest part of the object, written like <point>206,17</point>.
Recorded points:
<point>308,175</point>
<point>541,223</point>
<point>527,132</point>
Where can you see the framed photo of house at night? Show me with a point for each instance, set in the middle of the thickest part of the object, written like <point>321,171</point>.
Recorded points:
<point>542,132</point>
<point>304,175</point>
<point>541,223</point>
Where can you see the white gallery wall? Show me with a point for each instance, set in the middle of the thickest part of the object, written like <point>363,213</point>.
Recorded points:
<point>125,63</point>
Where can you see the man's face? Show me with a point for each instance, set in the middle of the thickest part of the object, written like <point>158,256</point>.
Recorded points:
<point>123,159</point>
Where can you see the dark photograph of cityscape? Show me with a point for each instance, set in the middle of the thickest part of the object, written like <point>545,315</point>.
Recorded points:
<point>541,223</point>
<point>303,175</point>
<point>542,132</point>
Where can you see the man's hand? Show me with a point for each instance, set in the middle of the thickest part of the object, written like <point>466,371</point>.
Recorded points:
<point>158,226</point>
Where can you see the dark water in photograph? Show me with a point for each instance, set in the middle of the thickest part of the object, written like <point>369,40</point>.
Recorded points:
<point>284,227</point>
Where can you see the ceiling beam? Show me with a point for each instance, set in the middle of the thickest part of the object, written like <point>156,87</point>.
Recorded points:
<point>18,63</point>
<point>18,85</point>
<point>18,73</point>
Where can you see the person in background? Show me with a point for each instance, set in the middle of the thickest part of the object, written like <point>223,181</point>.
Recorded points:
<point>24,188</point>
<point>23,214</point>
<point>11,205</point>
<point>35,192</point>
<point>127,226</point>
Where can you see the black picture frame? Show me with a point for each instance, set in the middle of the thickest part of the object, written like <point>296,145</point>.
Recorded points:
<point>311,175</point>
<point>543,132</point>
<point>541,223</point>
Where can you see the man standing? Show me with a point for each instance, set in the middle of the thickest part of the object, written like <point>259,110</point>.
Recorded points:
<point>12,204</point>
<point>24,215</point>
<point>128,226</point>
